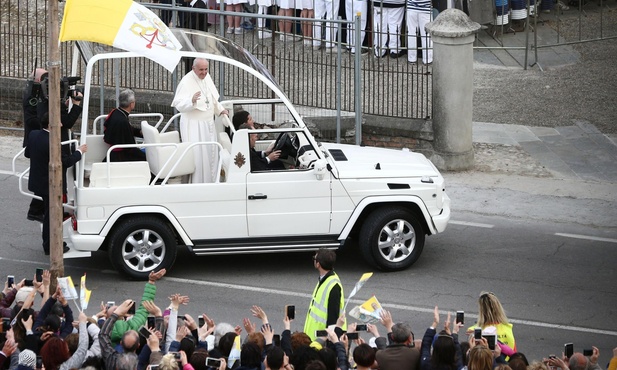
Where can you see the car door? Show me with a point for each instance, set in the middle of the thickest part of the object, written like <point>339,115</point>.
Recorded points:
<point>288,202</point>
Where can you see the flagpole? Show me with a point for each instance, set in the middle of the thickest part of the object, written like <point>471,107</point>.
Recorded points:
<point>76,305</point>
<point>55,163</point>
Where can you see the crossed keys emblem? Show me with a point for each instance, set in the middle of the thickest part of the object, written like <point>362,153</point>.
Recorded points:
<point>151,29</point>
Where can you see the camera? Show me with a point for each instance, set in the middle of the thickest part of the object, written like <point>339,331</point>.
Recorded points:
<point>477,333</point>
<point>352,336</point>
<point>68,88</point>
<point>290,311</point>
<point>213,362</point>
<point>568,349</point>
<point>144,332</point>
<point>460,317</point>
<point>39,275</point>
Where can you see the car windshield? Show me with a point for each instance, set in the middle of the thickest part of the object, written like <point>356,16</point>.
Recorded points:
<point>194,41</point>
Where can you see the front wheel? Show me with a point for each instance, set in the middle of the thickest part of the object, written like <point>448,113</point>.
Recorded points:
<point>140,245</point>
<point>391,239</point>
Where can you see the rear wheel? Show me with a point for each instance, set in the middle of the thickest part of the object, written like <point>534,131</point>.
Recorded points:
<point>140,245</point>
<point>391,239</point>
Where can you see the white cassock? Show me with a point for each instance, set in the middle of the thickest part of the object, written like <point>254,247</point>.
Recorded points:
<point>197,122</point>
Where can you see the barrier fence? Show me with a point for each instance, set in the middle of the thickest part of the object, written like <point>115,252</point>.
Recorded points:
<point>326,84</point>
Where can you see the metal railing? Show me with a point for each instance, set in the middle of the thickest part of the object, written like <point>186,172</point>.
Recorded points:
<point>321,81</point>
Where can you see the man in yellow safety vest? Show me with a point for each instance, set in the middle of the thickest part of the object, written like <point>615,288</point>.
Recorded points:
<point>328,300</point>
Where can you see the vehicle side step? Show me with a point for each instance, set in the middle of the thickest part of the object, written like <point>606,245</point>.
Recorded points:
<point>264,245</point>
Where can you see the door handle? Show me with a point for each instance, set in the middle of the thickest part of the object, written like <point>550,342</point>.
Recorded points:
<point>258,196</point>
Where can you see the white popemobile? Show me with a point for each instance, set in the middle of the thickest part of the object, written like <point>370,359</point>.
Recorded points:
<point>387,200</point>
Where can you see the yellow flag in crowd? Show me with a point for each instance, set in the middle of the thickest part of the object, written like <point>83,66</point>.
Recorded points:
<point>124,24</point>
<point>359,285</point>
<point>84,294</point>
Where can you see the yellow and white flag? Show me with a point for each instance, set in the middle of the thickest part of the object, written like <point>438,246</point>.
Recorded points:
<point>84,294</point>
<point>359,285</point>
<point>67,287</point>
<point>124,24</point>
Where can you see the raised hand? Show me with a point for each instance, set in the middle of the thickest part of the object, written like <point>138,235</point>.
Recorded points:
<point>249,326</point>
<point>386,320</point>
<point>259,313</point>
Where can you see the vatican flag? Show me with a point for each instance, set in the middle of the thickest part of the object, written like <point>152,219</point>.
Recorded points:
<point>124,24</point>
<point>84,294</point>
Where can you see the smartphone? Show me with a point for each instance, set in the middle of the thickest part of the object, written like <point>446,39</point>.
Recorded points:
<point>587,352</point>
<point>321,333</point>
<point>144,332</point>
<point>568,349</point>
<point>6,324</point>
<point>181,317</point>
<point>352,336</point>
<point>460,317</point>
<point>201,321</point>
<point>213,362</point>
<point>492,341</point>
<point>477,333</point>
<point>151,322</point>
<point>38,276</point>
<point>131,310</point>
<point>276,340</point>
<point>28,282</point>
<point>39,362</point>
<point>154,367</point>
<point>109,304</point>
<point>10,280</point>
<point>361,327</point>
<point>176,355</point>
<point>290,311</point>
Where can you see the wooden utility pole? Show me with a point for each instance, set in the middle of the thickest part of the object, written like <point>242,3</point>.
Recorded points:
<point>55,161</point>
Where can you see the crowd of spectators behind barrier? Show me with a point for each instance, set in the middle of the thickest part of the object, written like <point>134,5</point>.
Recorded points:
<point>53,337</point>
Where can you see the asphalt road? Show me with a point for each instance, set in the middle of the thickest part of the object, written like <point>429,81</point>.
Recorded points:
<point>556,289</point>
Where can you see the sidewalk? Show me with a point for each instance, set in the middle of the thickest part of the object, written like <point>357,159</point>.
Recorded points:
<point>577,152</point>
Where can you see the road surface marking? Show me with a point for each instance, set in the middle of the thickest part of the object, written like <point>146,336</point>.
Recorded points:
<point>355,301</point>
<point>389,306</point>
<point>587,237</point>
<point>473,224</point>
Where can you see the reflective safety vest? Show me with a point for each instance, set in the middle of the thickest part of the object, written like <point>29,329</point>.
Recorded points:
<point>317,315</point>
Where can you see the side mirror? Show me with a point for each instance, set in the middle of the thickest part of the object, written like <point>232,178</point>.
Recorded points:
<point>320,168</point>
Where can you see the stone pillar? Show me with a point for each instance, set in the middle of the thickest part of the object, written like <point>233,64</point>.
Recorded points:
<point>453,34</point>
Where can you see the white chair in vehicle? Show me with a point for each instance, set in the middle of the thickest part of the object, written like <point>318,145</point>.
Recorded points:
<point>162,159</point>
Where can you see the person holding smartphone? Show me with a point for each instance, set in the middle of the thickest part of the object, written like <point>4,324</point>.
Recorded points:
<point>581,360</point>
<point>446,349</point>
<point>141,310</point>
<point>328,299</point>
<point>401,353</point>
<point>491,313</point>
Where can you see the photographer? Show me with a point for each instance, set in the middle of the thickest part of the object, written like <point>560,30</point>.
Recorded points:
<point>35,105</point>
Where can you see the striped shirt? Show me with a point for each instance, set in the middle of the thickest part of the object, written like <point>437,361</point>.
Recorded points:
<point>423,6</point>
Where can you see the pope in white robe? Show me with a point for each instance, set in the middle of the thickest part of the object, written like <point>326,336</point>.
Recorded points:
<point>197,99</point>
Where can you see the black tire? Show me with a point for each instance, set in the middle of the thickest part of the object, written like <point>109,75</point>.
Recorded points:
<point>136,259</point>
<point>391,239</point>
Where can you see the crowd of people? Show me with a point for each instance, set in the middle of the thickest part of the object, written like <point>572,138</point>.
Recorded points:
<point>141,335</point>
<point>391,20</point>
